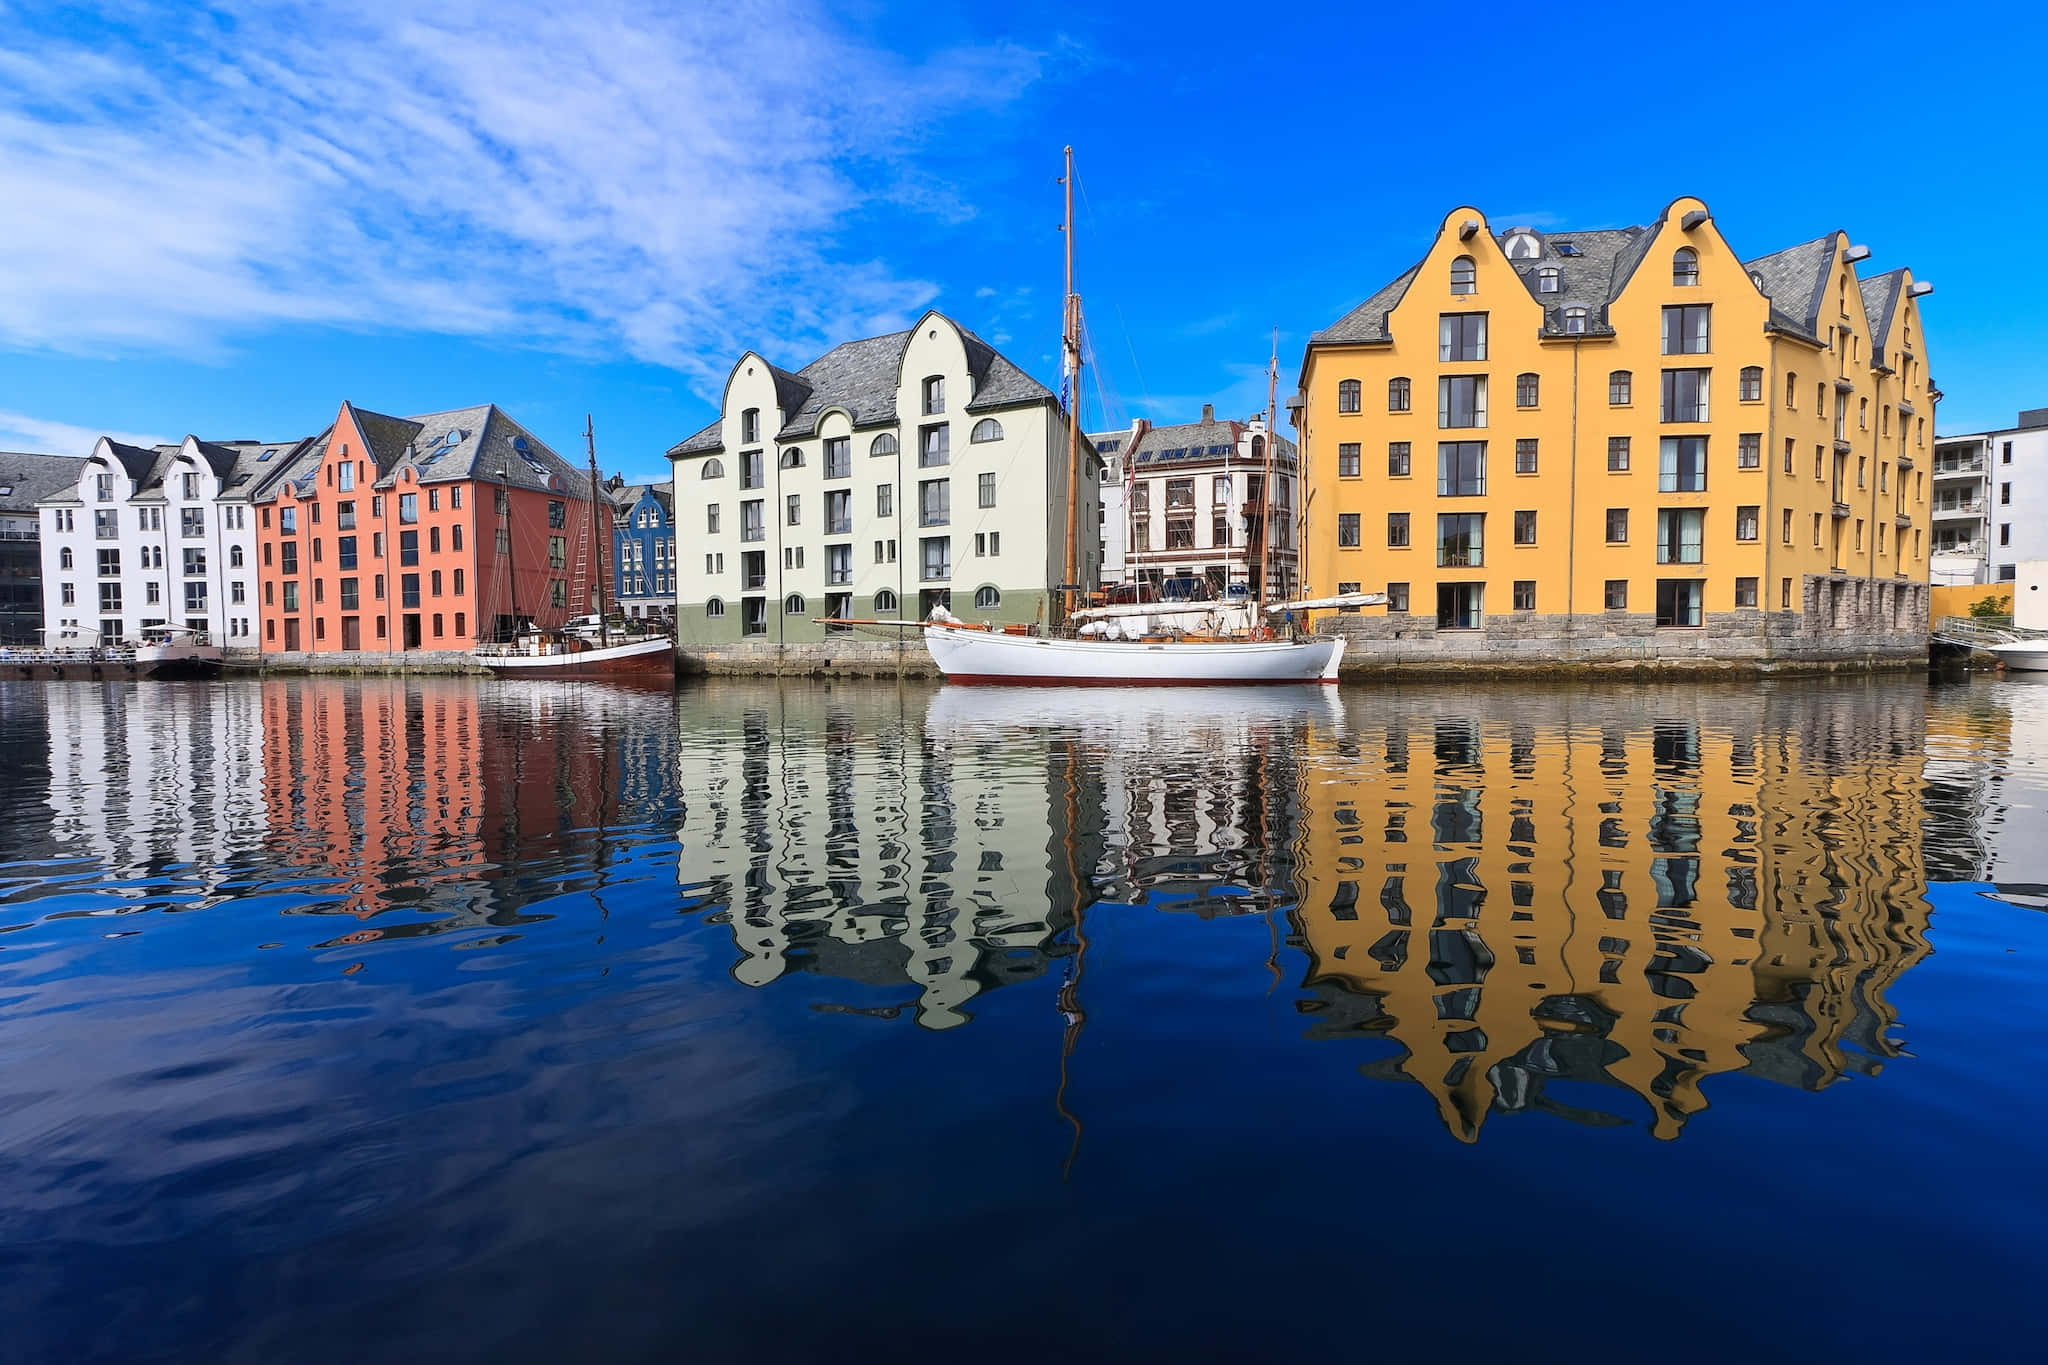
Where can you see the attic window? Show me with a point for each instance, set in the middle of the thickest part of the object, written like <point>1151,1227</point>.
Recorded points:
<point>1523,246</point>
<point>264,456</point>
<point>1565,249</point>
<point>1756,278</point>
<point>1549,280</point>
<point>1574,321</point>
<point>6,489</point>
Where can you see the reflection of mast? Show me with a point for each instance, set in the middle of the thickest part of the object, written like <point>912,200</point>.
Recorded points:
<point>1069,998</point>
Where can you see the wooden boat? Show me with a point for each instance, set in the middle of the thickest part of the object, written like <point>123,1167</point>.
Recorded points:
<point>572,653</point>
<point>1106,653</point>
<point>177,652</point>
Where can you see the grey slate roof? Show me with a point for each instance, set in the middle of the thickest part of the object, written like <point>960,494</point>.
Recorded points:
<point>27,478</point>
<point>1881,296</point>
<point>1796,279</point>
<point>1368,321</point>
<point>861,377</point>
<point>464,443</point>
<point>1183,443</point>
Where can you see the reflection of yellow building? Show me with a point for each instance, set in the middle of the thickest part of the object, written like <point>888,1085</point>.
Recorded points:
<point>1519,897</point>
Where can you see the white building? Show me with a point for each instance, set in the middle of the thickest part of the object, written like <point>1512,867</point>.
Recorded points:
<point>1991,486</point>
<point>156,536</point>
<point>1186,499</point>
<point>889,476</point>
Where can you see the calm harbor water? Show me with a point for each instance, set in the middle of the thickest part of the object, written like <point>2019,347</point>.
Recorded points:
<point>444,1020</point>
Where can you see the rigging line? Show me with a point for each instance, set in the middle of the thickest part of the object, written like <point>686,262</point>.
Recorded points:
<point>1104,390</point>
<point>1144,390</point>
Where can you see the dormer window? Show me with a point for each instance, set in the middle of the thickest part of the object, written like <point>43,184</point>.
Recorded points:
<point>1521,245</point>
<point>1756,278</point>
<point>1685,268</point>
<point>1574,322</point>
<point>1549,280</point>
<point>934,395</point>
<point>1464,276</point>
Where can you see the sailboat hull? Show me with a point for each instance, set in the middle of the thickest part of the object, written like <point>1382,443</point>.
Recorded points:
<point>651,658</point>
<point>967,655</point>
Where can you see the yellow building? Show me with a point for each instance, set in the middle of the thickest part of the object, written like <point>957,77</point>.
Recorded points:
<point>1621,444</point>
<point>1642,901</point>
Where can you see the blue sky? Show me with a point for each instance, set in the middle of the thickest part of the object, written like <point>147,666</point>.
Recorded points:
<point>225,219</point>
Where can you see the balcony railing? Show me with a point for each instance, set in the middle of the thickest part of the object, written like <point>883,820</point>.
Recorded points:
<point>839,526</point>
<point>1957,507</point>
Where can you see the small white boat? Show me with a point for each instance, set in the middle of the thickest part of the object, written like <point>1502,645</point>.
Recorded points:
<point>177,652</point>
<point>970,654</point>
<point>2023,656</point>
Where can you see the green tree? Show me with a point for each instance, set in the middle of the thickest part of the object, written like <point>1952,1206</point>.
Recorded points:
<point>1992,606</point>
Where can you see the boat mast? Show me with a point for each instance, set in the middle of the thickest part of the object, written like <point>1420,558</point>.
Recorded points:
<point>600,553</point>
<point>1070,337</point>
<point>1266,498</point>
<point>511,569</point>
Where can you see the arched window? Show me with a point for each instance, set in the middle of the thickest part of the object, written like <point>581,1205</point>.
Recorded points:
<point>1525,390</point>
<point>1397,395</point>
<point>1350,393</point>
<point>934,395</point>
<point>1464,275</point>
<point>1752,387</point>
<point>987,598</point>
<point>714,468</point>
<point>793,605</point>
<point>234,556</point>
<point>1685,267</point>
<point>885,600</point>
<point>885,444</point>
<point>987,429</point>
<point>64,558</point>
<point>1549,280</point>
<point>1620,387</point>
<point>715,607</point>
<point>750,426</point>
<point>1574,321</point>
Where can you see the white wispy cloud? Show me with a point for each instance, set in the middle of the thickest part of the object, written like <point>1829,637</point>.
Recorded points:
<point>664,180</point>
<point>20,431</point>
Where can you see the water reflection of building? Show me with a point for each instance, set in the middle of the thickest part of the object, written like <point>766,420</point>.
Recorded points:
<point>1987,781</point>
<point>843,835</point>
<point>436,793</point>
<point>150,781</point>
<point>1518,897</point>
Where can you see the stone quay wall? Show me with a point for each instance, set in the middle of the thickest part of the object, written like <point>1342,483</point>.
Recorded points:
<point>906,658</point>
<point>424,661</point>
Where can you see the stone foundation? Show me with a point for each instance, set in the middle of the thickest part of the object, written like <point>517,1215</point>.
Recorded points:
<point>849,658</point>
<point>434,661</point>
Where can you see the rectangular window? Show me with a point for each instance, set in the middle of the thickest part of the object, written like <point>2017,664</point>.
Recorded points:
<point>1685,395</point>
<point>1746,523</point>
<point>750,425</point>
<point>195,563</point>
<point>1141,496</point>
<point>2005,495</point>
<point>885,500</point>
<point>1617,594</point>
<point>1681,535</point>
<point>839,457</point>
<point>838,564</point>
<point>1461,469</point>
<point>345,516</point>
<point>935,557</point>
<point>1397,597</point>
<point>408,547</point>
<point>1617,526</point>
<point>351,592</point>
<point>1745,592</point>
<point>110,597</point>
<point>1685,329</point>
<point>1397,530</point>
<point>1460,542</point>
<point>934,395</point>
<point>1180,495</point>
<point>1621,388</point>
<point>1461,336</point>
<point>1347,530</point>
<point>985,490</point>
<point>1525,528</point>
<point>433,499</point>
<point>558,592</point>
<point>793,509</point>
<point>934,446</point>
<point>1678,601</point>
<point>1397,459</point>
<point>1749,451</point>
<point>408,508</point>
<point>1526,391</point>
<point>1459,606</point>
<point>935,502</point>
<point>1682,464</point>
<point>1347,460</point>
<point>192,521</point>
<point>1398,395</point>
<point>1525,455</point>
<point>1617,454</point>
<point>1349,394</point>
<point>754,520</point>
<point>839,512</point>
<point>288,557</point>
<point>711,519</point>
<point>103,487</point>
<point>110,563</point>
<point>1461,400</point>
<point>1525,594</point>
<point>751,466</point>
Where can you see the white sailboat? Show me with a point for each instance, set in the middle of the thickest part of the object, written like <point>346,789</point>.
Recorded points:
<point>1109,652</point>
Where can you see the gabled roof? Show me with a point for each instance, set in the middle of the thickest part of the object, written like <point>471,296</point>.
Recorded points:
<point>480,443</point>
<point>388,437</point>
<point>136,461</point>
<point>1796,279</point>
<point>1183,443</point>
<point>1882,295</point>
<point>27,478</point>
<point>861,378</point>
<point>1368,321</point>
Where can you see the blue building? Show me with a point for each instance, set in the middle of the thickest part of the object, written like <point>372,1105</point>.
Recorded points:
<point>643,548</point>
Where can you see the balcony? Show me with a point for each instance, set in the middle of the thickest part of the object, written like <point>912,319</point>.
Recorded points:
<point>1902,520</point>
<point>1840,509</point>
<point>1960,508</point>
<point>1942,467</point>
<point>33,533</point>
<point>839,526</point>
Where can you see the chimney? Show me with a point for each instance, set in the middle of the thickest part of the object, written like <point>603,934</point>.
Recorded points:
<point>1208,412</point>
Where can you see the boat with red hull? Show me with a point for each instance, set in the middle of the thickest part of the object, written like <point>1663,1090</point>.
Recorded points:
<point>652,657</point>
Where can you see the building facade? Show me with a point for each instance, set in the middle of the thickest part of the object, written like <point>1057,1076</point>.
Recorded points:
<point>890,476</point>
<point>1991,500</point>
<point>643,548</point>
<point>1186,501</point>
<point>153,536</point>
<point>26,479</point>
<point>404,534</point>
<point>1623,444</point>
